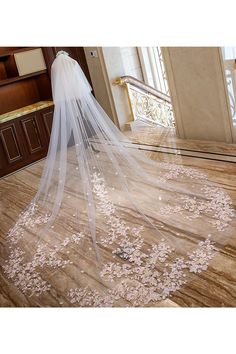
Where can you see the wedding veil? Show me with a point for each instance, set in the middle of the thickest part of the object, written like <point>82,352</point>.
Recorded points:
<point>129,230</point>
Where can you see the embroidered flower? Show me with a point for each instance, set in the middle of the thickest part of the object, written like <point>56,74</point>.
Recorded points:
<point>142,275</point>
<point>200,258</point>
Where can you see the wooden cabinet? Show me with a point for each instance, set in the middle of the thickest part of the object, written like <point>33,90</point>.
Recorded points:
<point>17,90</point>
<point>24,140</point>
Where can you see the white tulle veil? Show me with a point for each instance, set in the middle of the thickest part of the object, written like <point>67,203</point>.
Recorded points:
<point>127,229</point>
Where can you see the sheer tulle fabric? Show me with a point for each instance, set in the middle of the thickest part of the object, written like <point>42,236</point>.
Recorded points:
<point>129,230</point>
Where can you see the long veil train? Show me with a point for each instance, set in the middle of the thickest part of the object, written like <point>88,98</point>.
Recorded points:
<point>108,225</point>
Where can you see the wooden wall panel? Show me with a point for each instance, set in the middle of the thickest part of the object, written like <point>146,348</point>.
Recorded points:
<point>43,87</point>
<point>3,73</point>
<point>18,94</point>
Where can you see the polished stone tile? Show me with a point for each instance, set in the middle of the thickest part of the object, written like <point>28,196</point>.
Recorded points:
<point>214,287</point>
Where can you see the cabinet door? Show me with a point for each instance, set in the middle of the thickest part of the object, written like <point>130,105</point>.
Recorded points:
<point>24,140</point>
<point>12,147</point>
<point>2,158</point>
<point>34,136</point>
<point>47,119</point>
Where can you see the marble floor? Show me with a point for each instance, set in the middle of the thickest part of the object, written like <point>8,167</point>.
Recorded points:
<point>215,287</point>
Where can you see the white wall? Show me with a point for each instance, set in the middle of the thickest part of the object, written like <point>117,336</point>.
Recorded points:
<point>198,91</point>
<point>131,62</point>
<point>97,76</point>
<point>110,64</point>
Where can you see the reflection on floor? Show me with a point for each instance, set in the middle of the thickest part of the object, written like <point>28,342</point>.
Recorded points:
<point>216,286</point>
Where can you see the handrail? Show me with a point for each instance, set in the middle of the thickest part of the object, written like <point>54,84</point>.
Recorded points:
<point>123,80</point>
<point>146,103</point>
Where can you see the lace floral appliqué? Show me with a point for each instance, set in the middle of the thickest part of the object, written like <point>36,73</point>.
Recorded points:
<point>146,276</point>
